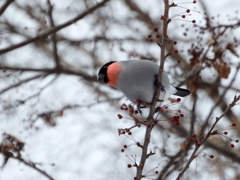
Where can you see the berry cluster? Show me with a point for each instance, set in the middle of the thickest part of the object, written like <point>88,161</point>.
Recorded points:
<point>197,140</point>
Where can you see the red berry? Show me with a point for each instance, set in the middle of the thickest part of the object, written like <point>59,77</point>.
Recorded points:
<point>193,21</point>
<point>125,146</point>
<point>155,29</point>
<point>174,42</point>
<point>129,165</point>
<point>188,10</point>
<point>138,100</point>
<point>225,133</point>
<point>158,109</point>
<point>149,36</point>
<point>233,124</point>
<point>129,133</point>
<point>119,116</point>
<point>174,118</point>
<point>178,99</point>
<point>131,109</point>
<point>175,51</point>
<point>156,172</point>
<point>232,145</point>
<point>124,107</point>
<point>194,2</point>
<point>181,115</point>
<point>136,112</point>
<point>183,16</point>
<point>158,36</point>
<point>237,141</point>
<point>194,136</point>
<point>122,150</point>
<point>151,40</point>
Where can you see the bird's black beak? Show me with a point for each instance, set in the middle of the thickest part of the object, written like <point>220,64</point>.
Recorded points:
<point>101,78</point>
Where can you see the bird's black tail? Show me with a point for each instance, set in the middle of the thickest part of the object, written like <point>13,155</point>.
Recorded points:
<point>181,92</point>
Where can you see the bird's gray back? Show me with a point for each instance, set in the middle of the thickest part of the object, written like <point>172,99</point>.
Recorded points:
<point>137,79</point>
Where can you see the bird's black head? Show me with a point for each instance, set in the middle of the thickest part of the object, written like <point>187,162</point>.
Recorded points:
<point>102,74</point>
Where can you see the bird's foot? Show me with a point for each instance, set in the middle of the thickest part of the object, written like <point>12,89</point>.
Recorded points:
<point>158,84</point>
<point>140,104</point>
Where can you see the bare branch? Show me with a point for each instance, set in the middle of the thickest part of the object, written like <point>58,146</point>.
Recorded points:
<point>5,6</point>
<point>53,35</point>
<point>21,82</point>
<point>194,154</point>
<point>220,99</point>
<point>150,118</point>
<point>54,29</point>
<point>51,71</point>
<point>33,166</point>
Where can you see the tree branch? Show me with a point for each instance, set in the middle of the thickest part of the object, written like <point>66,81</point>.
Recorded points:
<point>54,40</point>
<point>54,29</point>
<point>51,71</point>
<point>5,6</point>
<point>150,118</point>
<point>220,99</point>
<point>32,165</point>
<point>194,154</point>
<point>21,82</point>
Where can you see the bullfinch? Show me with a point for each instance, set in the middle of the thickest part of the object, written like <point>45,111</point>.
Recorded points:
<point>137,79</point>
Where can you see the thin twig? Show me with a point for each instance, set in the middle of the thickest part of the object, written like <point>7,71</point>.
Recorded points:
<point>194,154</point>
<point>171,161</point>
<point>220,99</point>
<point>32,165</point>
<point>21,82</point>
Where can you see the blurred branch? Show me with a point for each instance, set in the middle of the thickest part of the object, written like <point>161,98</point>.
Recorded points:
<point>11,147</point>
<point>22,82</point>
<point>33,166</point>
<point>172,161</point>
<point>220,99</point>
<point>23,101</point>
<point>141,15</point>
<point>52,71</point>
<point>54,29</point>
<point>5,6</point>
<point>53,35</point>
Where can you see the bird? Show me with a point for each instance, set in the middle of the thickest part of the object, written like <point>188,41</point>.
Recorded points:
<point>137,79</point>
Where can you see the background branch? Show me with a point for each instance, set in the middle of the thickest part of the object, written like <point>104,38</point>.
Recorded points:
<point>54,29</point>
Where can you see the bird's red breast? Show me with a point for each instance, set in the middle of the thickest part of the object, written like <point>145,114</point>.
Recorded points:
<point>113,74</point>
